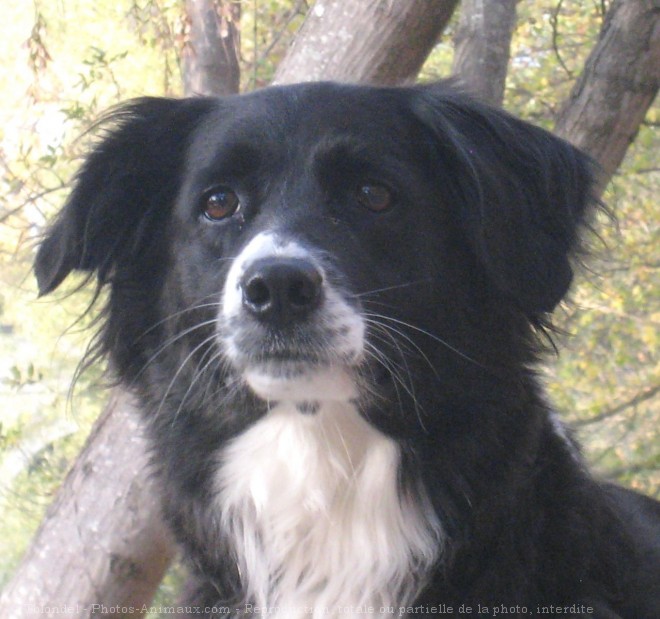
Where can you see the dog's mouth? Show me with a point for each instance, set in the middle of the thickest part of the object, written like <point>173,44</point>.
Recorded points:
<point>309,379</point>
<point>298,365</point>
<point>280,359</point>
<point>301,382</point>
<point>281,367</point>
<point>280,353</point>
<point>284,366</point>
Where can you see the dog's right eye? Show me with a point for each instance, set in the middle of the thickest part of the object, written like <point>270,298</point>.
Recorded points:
<point>220,203</point>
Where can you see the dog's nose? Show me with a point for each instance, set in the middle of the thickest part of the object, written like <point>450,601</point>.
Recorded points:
<point>281,290</point>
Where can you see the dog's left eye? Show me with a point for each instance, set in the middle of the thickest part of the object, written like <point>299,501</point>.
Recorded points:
<point>220,203</point>
<point>376,198</point>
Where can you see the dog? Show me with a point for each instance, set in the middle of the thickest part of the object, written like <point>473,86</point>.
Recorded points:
<point>330,300</point>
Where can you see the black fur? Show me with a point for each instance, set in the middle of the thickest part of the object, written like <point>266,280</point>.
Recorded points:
<point>474,254</point>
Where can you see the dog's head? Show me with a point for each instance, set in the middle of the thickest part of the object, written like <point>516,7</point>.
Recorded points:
<point>322,226</point>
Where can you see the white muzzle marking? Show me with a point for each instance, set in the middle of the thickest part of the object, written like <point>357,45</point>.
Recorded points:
<point>342,326</point>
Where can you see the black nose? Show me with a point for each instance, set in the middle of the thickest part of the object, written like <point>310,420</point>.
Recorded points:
<point>281,290</point>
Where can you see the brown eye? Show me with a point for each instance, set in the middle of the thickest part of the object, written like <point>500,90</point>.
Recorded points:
<point>220,203</point>
<point>376,198</point>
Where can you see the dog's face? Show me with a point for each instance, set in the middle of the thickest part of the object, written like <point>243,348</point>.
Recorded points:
<point>298,225</point>
<point>325,241</point>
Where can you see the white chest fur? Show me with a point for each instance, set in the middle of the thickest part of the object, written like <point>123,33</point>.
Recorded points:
<point>319,525</point>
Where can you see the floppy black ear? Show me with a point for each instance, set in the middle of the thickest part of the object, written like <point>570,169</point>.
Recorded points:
<point>123,188</point>
<point>522,193</point>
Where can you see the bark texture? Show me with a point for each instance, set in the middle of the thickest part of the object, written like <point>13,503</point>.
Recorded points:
<point>482,47</point>
<point>102,541</point>
<point>211,52</point>
<point>369,41</point>
<point>617,86</point>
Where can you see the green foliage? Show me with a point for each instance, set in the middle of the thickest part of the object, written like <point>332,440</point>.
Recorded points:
<point>70,65</point>
<point>551,44</point>
<point>609,381</point>
<point>267,29</point>
<point>67,61</point>
<point>605,378</point>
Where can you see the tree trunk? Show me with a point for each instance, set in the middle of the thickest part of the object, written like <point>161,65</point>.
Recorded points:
<point>102,541</point>
<point>210,55</point>
<point>482,46</point>
<point>620,80</point>
<point>369,41</point>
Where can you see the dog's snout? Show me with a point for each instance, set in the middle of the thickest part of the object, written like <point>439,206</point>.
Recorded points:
<point>281,290</point>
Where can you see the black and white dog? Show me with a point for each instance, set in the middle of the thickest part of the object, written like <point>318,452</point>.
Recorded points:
<point>328,299</point>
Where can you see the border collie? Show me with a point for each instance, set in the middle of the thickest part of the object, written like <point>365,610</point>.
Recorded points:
<point>328,299</point>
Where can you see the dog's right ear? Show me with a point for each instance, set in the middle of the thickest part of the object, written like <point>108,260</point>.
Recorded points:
<point>126,185</point>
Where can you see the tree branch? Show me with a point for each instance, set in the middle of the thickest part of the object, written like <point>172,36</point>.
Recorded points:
<point>554,21</point>
<point>483,47</point>
<point>642,467</point>
<point>617,86</point>
<point>102,540</point>
<point>643,396</point>
<point>211,52</point>
<point>330,47</point>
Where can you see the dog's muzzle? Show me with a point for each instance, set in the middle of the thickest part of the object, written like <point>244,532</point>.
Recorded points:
<point>286,329</point>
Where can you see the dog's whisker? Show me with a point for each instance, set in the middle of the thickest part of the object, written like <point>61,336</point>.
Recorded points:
<point>411,389</point>
<point>398,381</point>
<point>198,373</point>
<point>425,280</point>
<point>435,338</point>
<point>192,308</point>
<point>374,320</point>
<point>391,367</point>
<point>170,342</point>
<point>181,367</point>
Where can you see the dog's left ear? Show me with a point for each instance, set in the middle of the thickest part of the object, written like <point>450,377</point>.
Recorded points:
<point>522,194</point>
<point>124,188</point>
